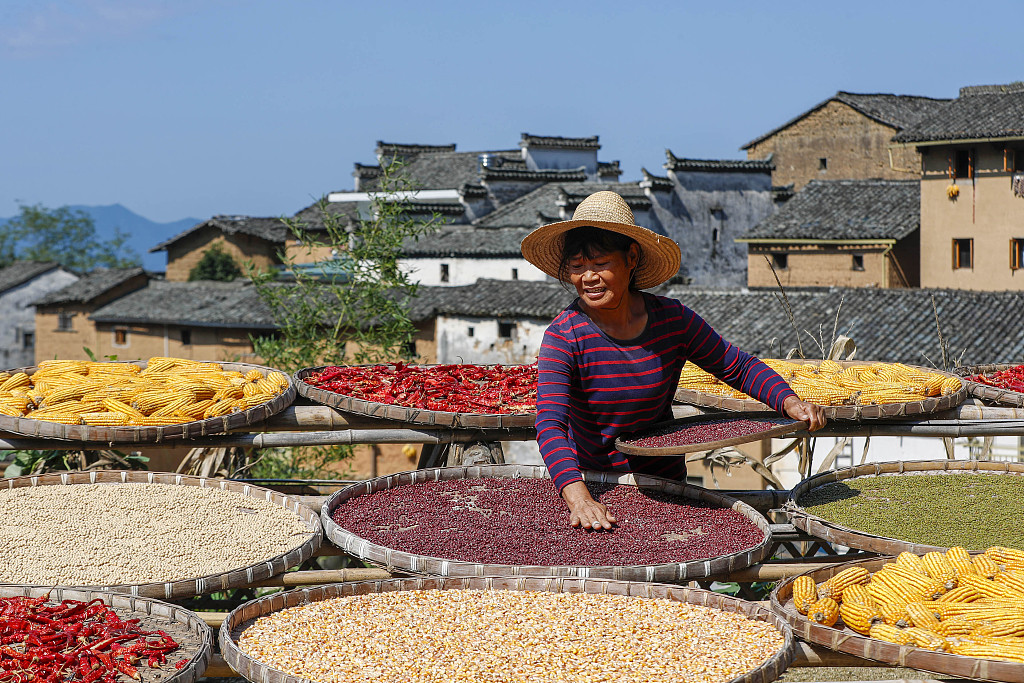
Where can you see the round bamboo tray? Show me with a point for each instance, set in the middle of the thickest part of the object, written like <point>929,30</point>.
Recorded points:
<point>239,619</point>
<point>842,639</point>
<point>188,430</point>
<point>187,588</point>
<point>388,411</point>
<point>197,653</point>
<point>436,566</point>
<point>783,425</point>
<point>868,412</point>
<point>989,393</point>
<point>853,538</point>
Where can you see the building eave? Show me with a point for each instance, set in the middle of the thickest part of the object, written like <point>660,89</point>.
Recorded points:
<point>773,240</point>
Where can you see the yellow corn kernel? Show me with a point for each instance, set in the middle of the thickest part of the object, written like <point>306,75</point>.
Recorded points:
<point>985,566</point>
<point>59,418</point>
<point>805,593</point>
<point>115,406</point>
<point>105,419</point>
<point>890,634</point>
<point>938,567</point>
<point>160,420</point>
<point>1008,557</point>
<point>858,594</point>
<point>825,612</point>
<point>960,560</point>
<point>926,639</point>
<point>858,617</point>
<point>961,594</point>
<point>922,616</point>
<point>911,561</point>
<point>171,408</point>
<point>18,379</point>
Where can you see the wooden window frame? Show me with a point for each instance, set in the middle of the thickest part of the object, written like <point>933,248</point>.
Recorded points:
<point>65,322</point>
<point>782,264</point>
<point>957,241</point>
<point>853,262</point>
<point>504,326</point>
<point>114,334</point>
<point>1016,253</point>
<point>446,273</point>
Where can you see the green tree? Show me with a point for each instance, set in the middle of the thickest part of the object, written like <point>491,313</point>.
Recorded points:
<point>215,264</point>
<point>353,307</point>
<point>65,235</point>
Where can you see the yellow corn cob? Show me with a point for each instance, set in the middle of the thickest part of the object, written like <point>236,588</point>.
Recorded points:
<point>985,651</point>
<point>961,594</point>
<point>912,562</point>
<point>60,418</point>
<point>278,378</point>
<point>960,560</point>
<point>926,639</point>
<point>106,419</point>
<point>805,593</point>
<point>897,584</point>
<point>950,385</point>
<point>253,375</point>
<point>253,401</point>
<point>1008,643</point>
<point>115,406</point>
<point>197,409</point>
<point>985,566</point>
<point>231,392</point>
<point>938,567</point>
<point>148,401</point>
<point>921,616</point>
<point>890,634</point>
<point>160,420</point>
<point>269,386</point>
<point>824,611</point>
<point>858,617</point>
<point>884,595</point>
<point>990,588</point>
<point>1008,557</point>
<point>250,390</point>
<point>894,615</point>
<point>1010,627</point>
<point>21,403</point>
<point>918,585</point>
<point>18,379</point>
<point>118,368</point>
<point>833,587</point>
<point>11,410</point>
<point>219,408</point>
<point>1013,579</point>
<point>955,626</point>
<point>173,407</point>
<point>858,594</point>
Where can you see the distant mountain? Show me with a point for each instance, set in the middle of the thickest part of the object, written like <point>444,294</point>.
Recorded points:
<point>144,234</point>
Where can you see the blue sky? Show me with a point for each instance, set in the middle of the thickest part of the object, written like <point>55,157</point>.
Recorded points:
<point>198,107</point>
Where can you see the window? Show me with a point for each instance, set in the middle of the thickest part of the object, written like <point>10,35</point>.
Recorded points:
<point>28,340</point>
<point>65,322</point>
<point>964,163</point>
<point>410,348</point>
<point>714,234</point>
<point>780,261</point>
<point>515,273</point>
<point>505,330</point>
<point>823,164</point>
<point>858,262</point>
<point>963,253</point>
<point>120,336</point>
<point>186,336</point>
<point>444,272</point>
<point>1016,253</point>
<point>469,331</point>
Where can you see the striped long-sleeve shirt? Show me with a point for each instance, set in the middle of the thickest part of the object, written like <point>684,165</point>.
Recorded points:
<point>591,388</point>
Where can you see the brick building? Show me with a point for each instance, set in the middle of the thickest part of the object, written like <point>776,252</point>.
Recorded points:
<point>844,233</point>
<point>972,239</point>
<point>846,136</point>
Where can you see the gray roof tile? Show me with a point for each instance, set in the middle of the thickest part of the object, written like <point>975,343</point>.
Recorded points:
<point>558,142</point>
<point>979,112</point>
<point>21,272</point>
<point>270,229</point>
<point>674,163</point>
<point>846,210</point>
<point>468,241</point>
<point>90,286</point>
<point>535,208</point>
<point>196,304</point>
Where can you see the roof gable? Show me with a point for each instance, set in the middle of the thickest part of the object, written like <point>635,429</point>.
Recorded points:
<point>979,112</point>
<point>845,210</point>
<point>20,272</point>
<point>91,286</point>
<point>271,230</point>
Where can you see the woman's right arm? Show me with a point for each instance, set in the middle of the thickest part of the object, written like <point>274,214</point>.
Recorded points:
<point>554,379</point>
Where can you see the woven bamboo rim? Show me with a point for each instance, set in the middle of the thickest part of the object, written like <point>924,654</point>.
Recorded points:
<point>989,393</point>
<point>388,411</point>
<point>188,430</point>
<point>187,588</point>
<point>624,444</point>
<point>197,661</point>
<point>436,566</point>
<point>870,412</point>
<point>853,538</point>
<point>851,642</point>
<point>241,617</point>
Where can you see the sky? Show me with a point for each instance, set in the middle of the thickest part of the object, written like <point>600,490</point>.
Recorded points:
<point>191,108</point>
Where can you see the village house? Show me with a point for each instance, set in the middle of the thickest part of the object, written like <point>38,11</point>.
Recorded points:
<point>843,233</point>
<point>972,189</point>
<point>21,283</point>
<point>847,136</point>
<point>246,239</point>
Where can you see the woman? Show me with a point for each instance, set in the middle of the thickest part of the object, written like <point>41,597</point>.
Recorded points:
<point>610,361</point>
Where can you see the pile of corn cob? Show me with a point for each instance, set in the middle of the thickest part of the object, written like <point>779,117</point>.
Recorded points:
<point>950,601</point>
<point>168,391</point>
<point>830,384</point>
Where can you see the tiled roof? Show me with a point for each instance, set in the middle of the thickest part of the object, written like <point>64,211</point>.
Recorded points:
<point>846,210</point>
<point>537,207</point>
<point>675,163</point>
<point>21,272</point>
<point>311,217</point>
<point>467,241</point>
<point>195,304</point>
<point>553,175</point>
<point>399,149</point>
<point>90,286</point>
<point>269,229</point>
<point>887,324</point>
<point>657,183</point>
<point>979,112</point>
<point>427,208</point>
<point>609,169</point>
<point>443,170</point>
<point>557,142</point>
<point>897,111</point>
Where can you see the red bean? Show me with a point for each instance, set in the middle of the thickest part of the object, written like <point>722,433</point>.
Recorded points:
<point>525,522</point>
<point>702,432</point>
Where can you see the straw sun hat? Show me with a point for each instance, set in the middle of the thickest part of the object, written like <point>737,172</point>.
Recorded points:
<point>607,210</point>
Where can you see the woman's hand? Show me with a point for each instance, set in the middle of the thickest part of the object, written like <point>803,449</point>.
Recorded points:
<point>802,410</point>
<point>584,511</point>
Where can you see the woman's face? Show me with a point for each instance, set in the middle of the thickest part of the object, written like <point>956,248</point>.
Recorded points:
<point>602,281</point>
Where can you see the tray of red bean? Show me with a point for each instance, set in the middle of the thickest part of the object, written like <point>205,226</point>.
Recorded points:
<point>996,382</point>
<point>508,520</point>
<point>453,395</point>
<point>705,433</point>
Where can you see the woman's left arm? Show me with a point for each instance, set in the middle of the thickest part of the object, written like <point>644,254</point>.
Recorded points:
<point>744,372</point>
